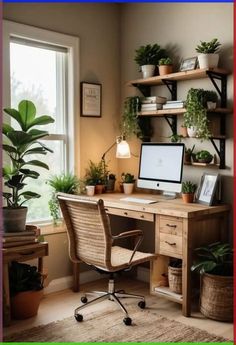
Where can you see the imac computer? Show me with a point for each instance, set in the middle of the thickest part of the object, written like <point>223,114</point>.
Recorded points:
<point>161,167</point>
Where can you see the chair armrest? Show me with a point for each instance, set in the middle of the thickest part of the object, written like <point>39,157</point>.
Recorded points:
<point>128,234</point>
<point>137,233</point>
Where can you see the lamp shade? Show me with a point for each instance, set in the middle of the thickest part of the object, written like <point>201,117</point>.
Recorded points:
<point>122,150</point>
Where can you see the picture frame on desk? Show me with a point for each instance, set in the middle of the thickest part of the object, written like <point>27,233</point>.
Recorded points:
<point>188,64</point>
<point>91,98</point>
<point>208,190</point>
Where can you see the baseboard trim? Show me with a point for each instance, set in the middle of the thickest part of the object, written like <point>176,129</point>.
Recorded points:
<point>63,283</point>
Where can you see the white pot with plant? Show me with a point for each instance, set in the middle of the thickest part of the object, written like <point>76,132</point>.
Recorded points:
<point>128,182</point>
<point>165,66</point>
<point>147,58</point>
<point>211,99</point>
<point>20,145</point>
<point>209,57</point>
<point>195,117</point>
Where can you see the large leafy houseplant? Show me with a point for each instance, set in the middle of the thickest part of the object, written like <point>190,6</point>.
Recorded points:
<point>19,145</point>
<point>65,183</point>
<point>208,53</point>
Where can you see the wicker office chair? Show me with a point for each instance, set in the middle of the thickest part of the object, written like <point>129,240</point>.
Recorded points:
<point>91,241</point>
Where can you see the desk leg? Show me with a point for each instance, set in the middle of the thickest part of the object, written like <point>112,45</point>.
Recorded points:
<point>186,278</point>
<point>6,297</point>
<point>75,277</point>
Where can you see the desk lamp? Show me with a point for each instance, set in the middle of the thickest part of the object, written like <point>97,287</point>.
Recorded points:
<point>122,150</point>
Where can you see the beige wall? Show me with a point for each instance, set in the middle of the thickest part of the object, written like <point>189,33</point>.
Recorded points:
<point>179,28</point>
<point>107,45</point>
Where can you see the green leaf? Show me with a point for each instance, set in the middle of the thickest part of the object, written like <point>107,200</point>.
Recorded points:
<point>38,150</point>
<point>29,173</point>
<point>9,149</point>
<point>19,138</point>
<point>44,146</point>
<point>30,195</point>
<point>27,112</point>
<point>37,163</point>
<point>42,120</point>
<point>15,115</point>
<point>6,128</point>
<point>37,134</point>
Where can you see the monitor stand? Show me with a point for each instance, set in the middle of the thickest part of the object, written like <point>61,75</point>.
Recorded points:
<point>169,195</point>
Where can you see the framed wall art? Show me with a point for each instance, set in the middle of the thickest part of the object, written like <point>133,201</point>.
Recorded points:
<point>91,95</point>
<point>188,64</point>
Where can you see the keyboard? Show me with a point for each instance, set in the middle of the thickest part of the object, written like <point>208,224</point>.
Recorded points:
<point>138,200</point>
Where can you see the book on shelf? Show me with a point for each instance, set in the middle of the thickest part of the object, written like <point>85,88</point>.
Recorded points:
<point>173,106</point>
<point>154,106</point>
<point>153,100</point>
<point>18,238</point>
<point>18,243</point>
<point>35,232</point>
<point>175,102</point>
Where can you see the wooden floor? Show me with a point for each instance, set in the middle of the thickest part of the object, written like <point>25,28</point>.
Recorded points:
<point>60,305</point>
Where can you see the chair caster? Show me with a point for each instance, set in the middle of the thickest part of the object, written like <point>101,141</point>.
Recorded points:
<point>127,321</point>
<point>79,317</point>
<point>84,299</point>
<point>142,304</point>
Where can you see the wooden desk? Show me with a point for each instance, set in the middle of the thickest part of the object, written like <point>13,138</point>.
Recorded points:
<point>21,254</point>
<point>179,228</point>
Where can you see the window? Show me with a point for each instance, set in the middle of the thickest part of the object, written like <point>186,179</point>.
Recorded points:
<point>41,71</point>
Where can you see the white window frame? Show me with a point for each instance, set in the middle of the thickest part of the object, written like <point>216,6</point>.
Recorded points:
<point>71,43</point>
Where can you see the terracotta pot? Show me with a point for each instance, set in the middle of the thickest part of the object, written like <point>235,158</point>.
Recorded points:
<point>188,197</point>
<point>183,131</point>
<point>99,188</point>
<point>14,219</point>
<point>165,69</point>
<point>25,304</point>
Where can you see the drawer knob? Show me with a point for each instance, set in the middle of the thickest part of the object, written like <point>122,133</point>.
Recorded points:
<point>171,244</point>
<point>171,225</point>
<point>126,213</point>
<point>142,216</point>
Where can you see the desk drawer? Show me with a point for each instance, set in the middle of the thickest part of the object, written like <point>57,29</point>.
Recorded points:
<point>130,214</point>
<point>171,236</point>
<point>24,253</point>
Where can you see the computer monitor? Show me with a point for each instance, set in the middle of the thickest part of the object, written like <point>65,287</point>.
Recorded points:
<point>161,167</point>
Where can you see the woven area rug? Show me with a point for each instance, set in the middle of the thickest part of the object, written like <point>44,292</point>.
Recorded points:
<point>107,326</point>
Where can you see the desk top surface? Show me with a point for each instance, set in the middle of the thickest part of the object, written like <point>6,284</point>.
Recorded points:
<point>175,207</point>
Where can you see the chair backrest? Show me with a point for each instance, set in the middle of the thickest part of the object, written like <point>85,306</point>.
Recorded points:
<point>88,229</point>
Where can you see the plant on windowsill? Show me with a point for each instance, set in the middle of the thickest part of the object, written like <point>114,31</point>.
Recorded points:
<point>147,58</point>
<point>215,266</point>
<point>188,190</point>
<point>128,182</point>
<point>195,117</point>
<point>19,145</point>
<point>65,183</point>
<point>208,51</point>
<point>165,66</point>
<point>26,290</point>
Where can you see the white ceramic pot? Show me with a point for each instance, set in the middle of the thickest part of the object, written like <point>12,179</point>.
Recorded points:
<point>208,60</point>
<point>128,188</point>
<point>148,70</point>
<point>192,132</point>
<point>211,105</point>
<point>90,190</point>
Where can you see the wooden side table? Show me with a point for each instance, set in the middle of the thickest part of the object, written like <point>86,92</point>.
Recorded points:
<point>21,254</point>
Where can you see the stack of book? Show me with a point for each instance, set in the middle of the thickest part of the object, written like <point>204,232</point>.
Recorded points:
<point>14,239</point>
<point>173,105</point>
<point>152,103</point>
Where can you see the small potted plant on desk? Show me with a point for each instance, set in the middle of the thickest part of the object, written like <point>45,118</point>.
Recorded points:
<point>147,58</point>
<point>26,290</point>
<point>215,265</point>
<point>128,182</point>
<point>188,191</point>
<point>96,174</point>
<point>165,66</point>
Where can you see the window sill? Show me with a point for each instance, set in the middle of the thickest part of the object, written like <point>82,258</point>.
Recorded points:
<point>51,229</point>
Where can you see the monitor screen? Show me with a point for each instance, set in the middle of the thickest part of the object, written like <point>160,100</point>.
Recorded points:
<point>161,166</point>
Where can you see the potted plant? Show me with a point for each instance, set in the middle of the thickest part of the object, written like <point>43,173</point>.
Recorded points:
<point>26,290</point>
<point>188,191</point>
<point>195,117</point>
<point>147,58</point>
<point>65,183</point>
<point>215,265</point>
<point>131,124</point>
<point>165,66</point>
<point>128,182</point>
<point>208,51</point>
<point>210,99</point>
<point>110,185</point>
<point>188,153</point>
<point>96,175</point>
<point>175,276</point>
<point>20,145</point>
<point>203,156</point>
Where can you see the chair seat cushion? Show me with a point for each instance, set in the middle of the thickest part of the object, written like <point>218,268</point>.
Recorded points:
<point>120,257</point>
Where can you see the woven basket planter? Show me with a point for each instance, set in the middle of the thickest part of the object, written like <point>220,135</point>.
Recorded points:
<point>175,279</point>
<point>216,298</point>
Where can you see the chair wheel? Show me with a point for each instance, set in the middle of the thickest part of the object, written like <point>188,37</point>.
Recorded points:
<point>84,299</point>
<point>127,321</point>
<point>142,304</point>
<point>79,317</point>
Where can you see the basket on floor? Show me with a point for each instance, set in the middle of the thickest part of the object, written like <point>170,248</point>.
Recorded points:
<point>175,279</point>
<point>216,298</point>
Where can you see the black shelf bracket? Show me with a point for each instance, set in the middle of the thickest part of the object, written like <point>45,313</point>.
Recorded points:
<point>172,87</point>
<point>172,122</point>
<point>220,151</point>
<point>144,89</point>
<point>222,88</point>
